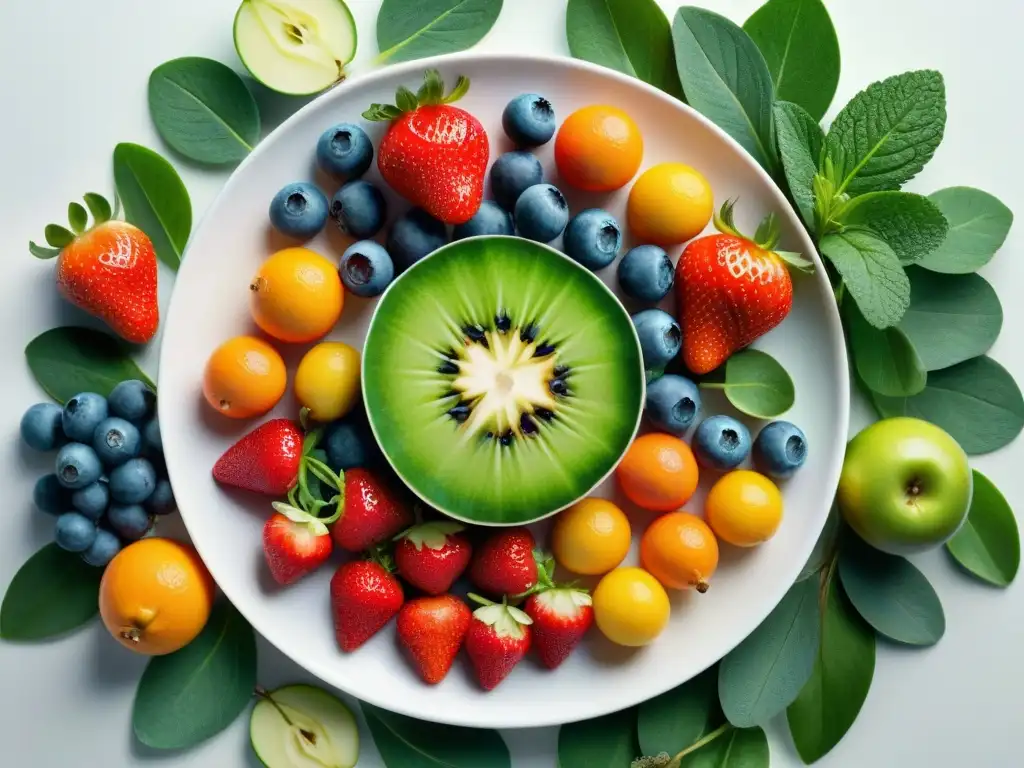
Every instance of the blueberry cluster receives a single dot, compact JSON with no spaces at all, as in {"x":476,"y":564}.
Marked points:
{"x":109,"y":479}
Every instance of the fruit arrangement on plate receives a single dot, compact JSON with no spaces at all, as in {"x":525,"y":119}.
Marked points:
{"x":500,"y":383}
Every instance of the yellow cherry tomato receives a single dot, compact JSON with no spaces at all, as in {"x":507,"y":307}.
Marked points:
{"x":744,"y":508}
{"x":327,"y":380}
{"x":591,"y":537}
{"x":630,"y":607}
{"x":669,"y":204}
{"x":296,"y":296}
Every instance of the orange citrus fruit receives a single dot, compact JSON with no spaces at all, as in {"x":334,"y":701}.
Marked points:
{"x":598,"y":148}
{"x":156,"y":596}
{"x":680,"y":551}
{"x":244,"y":377}
{"x":670,"y":203}
{"x":630,"y":607}
{"x":658,"y":472}
{"x":744,"y":508}
{"x":591,"y":537}
{"x":296,"y":295}
{"x":327,"y":380}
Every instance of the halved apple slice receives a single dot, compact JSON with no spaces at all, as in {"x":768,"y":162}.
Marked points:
{"x":299,"y":726}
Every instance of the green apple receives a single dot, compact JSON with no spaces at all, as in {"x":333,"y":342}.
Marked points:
{"x":297,"y":47}
{"x":302,"y":725}
{"x":906,"y":485}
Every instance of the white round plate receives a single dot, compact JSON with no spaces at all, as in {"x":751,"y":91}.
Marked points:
{"x":211,"y":304}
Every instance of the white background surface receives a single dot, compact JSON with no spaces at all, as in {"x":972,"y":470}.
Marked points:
{"x":75,"y":84}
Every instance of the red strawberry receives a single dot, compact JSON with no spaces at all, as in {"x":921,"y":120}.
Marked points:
{"x":561,"y":617}
{"x":505,"y":564}
{"x":109,"y":271}
{"x":432,"y":630}
{"x":372,"y":514}
{"x":265,"y":460}
{"x":294,"y":543}
{"x":433,"y":154}
{"x":730,"y":290}
{"x":498,"y":638}
{"x":432,"y":556}
{"x":364,"y":598}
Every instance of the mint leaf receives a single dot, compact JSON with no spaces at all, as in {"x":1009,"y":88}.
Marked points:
{"x":978,"y":226}
{"x":912,"y":225}
{"x":800,"y":140}
{"x":886,"y":134}
{"x":872,"y":274}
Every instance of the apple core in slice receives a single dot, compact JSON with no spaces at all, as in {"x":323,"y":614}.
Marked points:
{"x":297,"y":47}
{"x":503,"y":381}
{"x":300,"y":726}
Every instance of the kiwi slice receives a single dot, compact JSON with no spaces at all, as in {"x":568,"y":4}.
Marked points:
{"x":502,"y":380}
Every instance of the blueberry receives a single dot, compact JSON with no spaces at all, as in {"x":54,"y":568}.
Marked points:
{"x":780,"y":449}
{"x":721,"y":442}
{"x":42,"y":428}
{"x":512,"y":174}
{"x":349,"y":444}
{"x":151,"y":440}
{"x":344,"y":151}
{"x":660,"y":337}
{"x":74,"y":532}
{"x":673,"y":403}
{"x":78,"y":466}
{"x":541,"y":213}
{"x":490,"y":219}
{"x":359,"y":209}
{"x":132,"y":482}
{"x":129,"y":521}
{"x":161,"y":501}
{"x":92,"y":501}
{"x":82,"y":414}
{"x":593,"y":238}
{"x":104,"y":547}
{"x":366,"y":268}
{"x":299,"y":210}
{"x":133,"y":401}
{"x":414,"y":235}
{"x":116,"y":440}
{"x":529,"y":120}
{"x":646,"y":273}
{"x":50,"y":496}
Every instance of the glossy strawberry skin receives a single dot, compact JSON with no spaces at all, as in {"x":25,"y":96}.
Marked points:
{"x":505,"y":563}
{"x":558,"y":625}
{"x":364,"y":598}
{"x":111,"y":272}
{"x":372,"y":513}
{"x":435,"y":157}
{"x":433,"y":570}
{"x":729,"y":292}
{"x":492,"y":656}
{"x":432,"y":629}
{"x":265,"y":460}
{"x":292,"y":550}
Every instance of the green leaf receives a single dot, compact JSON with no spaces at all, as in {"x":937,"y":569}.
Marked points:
{"x":674,"y":720}
{"x":800,"y":45}
{"x":407,"y":743}
{"x":631,"y":36}
{"x":69,"y":360}
{"x":824,"y":547}
{"x":830,"y":702}
{"x":764,"y":673}
{"x":912,"y":225}
{"x":41,"y":252}
{"x":756,"y":384}
{"x":800,"y":140}
{"x":976,"y":401}
{"x":154,"y":198}
{"x":886,"y":360}
{"x":203,"y":110}
{"x":460,"y":89}
{"x":432,"y":90}
{"x":736,"y":748}
{"x":951,"y":318}
{"x":604,"y":742}
{"x":890,"y":594}
{"x":988,"y":544}
{"x":872,"y":274}
{"x":726,"y":78}
{"x":190,"y":695}
{"x":77,"y":217}
{"x":58,"y":236}
{"x":978,"y":226}
{"x":888,"y":132}
{"x":99,"y":207}
{"x":407,"y":31}
{"x":53,"y":593}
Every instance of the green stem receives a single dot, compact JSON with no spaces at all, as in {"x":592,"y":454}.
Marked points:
{"x":677,"y":760}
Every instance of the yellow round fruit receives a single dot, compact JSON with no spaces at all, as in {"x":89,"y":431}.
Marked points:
{"x":743,"y":508}
{"x":591,"y":537}
{"x":630,"y":607}
{"x":156,"y":596}
{"x":327,"y":380}
{"x":296,"y":296}
{"x":669,"y":204}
